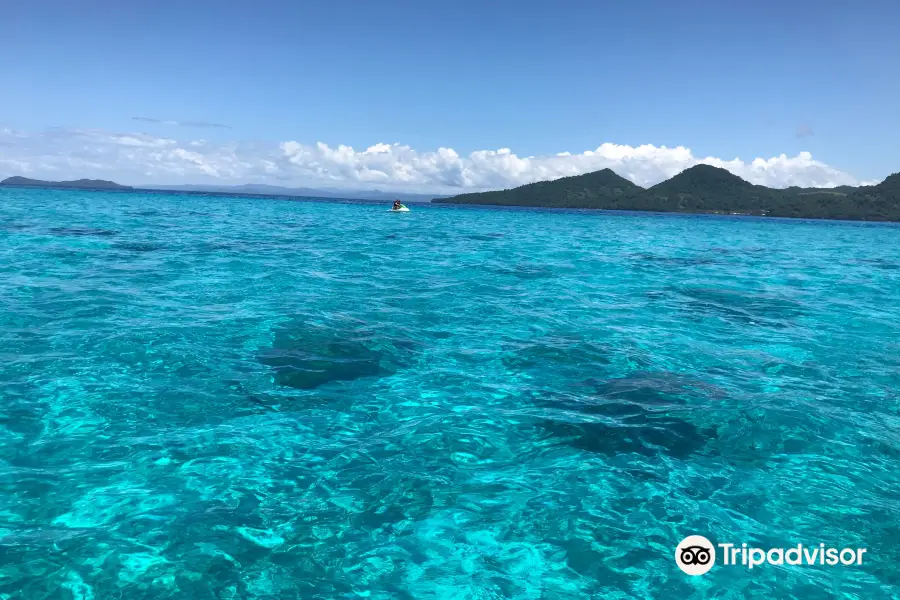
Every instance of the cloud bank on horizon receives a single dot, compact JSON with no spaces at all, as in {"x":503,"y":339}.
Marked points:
{"x":140,"y":158}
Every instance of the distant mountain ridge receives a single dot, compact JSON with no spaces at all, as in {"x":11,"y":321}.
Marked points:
{"x":245,"y":189}
{"x":88,"y":184}
{"x":275,"y":190}
{"x":700,"y":189}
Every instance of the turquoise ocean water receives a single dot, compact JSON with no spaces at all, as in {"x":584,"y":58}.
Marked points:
{"x":212,"y":397}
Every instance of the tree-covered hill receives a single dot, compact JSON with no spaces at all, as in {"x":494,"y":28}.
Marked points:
{"x":700,"y":189}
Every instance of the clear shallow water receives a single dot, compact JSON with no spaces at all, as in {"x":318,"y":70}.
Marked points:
{"x":243,"y":398}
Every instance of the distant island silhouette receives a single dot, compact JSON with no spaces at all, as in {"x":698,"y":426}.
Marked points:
{"x":82,"y":184}
{"x":699,"y":189}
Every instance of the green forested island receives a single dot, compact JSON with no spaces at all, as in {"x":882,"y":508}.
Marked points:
{"x":84,"y":184}
{"x":700,"y":189}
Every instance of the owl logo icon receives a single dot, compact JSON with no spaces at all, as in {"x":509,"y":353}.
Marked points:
{"x":695,"y":555}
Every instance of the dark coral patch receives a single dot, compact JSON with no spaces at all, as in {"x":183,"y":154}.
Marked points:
{"x":306,"y":358}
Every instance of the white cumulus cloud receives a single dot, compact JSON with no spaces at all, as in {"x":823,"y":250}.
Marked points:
{"x":489,"y":169}
{"x":140,"y":158}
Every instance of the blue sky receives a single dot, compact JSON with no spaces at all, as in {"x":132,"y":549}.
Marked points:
{"x":726,"y":80}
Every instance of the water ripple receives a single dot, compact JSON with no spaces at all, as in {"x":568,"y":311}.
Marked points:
{"x":240,"y":398}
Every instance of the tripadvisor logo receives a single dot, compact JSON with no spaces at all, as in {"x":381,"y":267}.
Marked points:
{"x":696,"y":555}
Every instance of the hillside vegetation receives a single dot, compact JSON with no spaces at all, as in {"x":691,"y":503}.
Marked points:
{"x":700,"y":189}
